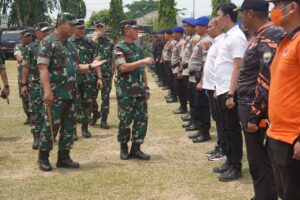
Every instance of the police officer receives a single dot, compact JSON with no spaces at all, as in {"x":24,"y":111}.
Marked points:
{"x":104,"y":48}
{"x":31,"y":84}
{"x":132,"y":92}
{"x":26,"y":38}
{"x":86,"y":81}
{"x":58,"y":64}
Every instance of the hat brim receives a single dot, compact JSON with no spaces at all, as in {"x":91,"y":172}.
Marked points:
{"x":80,"y":26}
{"x":72,"y":22}
{"x":45,"y":29}
{"x":99,"y":25}
{"x":27,"y":34}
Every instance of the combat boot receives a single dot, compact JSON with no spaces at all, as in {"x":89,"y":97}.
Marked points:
{"x":103,"y":123}
{"x":124,"y":151}
{"x":135,"y":152}
{"x":36,"y":142}
{"x":27,"y":121}
{"x":64,"y":160}
{"x":44,"y":161}
{"x":96,"y":116}
{"x":85,"y":131}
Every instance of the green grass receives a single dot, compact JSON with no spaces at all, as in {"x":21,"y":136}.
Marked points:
{"x":178,"y":169}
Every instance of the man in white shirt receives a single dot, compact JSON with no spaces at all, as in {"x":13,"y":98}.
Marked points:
{"x":227,"y":68}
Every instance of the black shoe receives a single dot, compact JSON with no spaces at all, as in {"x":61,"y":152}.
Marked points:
{"x":85,"y":133}
{"x":187,"y":124}
{"x":165,"y":88}
{"x":186,"y":118}
{"x":135,"y":152}
{"x":171,"y":100}
{"x":36,"y":142}
{"x":230,"y":175}
{"x":193,"y":127}
{"x":124,"y":155}
{"x":44,"y":161}
{"x":253,"y":198}
{"x":219,"y":155}
{"x":64,"y":160}
{"x":104,"y":125}
{"x":160,"y":84}
{"x":27,"y":121}
{"x":180,"y":110}
{"x":203,"y":137}
{"x":194,"y":135}
{"x":223,"y":168}
{"x":212,"y":152}
{"x":95,"y":118}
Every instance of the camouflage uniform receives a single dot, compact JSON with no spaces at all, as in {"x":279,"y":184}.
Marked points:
{"x":61,"y":58}
{"x":20,"y":50}
{"x":131,"y":94}
{"x":86,"y":82}
{"x":104,"y":48}
{"x":34,"y":87}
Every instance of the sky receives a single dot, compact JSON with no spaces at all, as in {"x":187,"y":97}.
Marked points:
{"x":202,"y":7}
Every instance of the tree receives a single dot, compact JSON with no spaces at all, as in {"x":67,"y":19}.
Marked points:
{"x":215,"y":4}
{"x":116,"y":15}
{"x":76,"y":7}
{"x":166,"y":14}
{"x":141,"y":8}
{"x":103,"y":15}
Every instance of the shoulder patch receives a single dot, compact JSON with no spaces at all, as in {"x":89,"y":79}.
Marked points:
{"x":267,"y":57}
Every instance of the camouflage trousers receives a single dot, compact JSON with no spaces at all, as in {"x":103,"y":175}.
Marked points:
{"x":63,"y":119}
{"x":85,"y":102}
{"x":132,"y":111}
{"x":25,"y":102}
{"x":37,"y":107}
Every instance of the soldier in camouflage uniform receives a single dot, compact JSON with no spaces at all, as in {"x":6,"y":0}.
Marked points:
{"x":104,"y":48}
{"x":26,"y":38}
{"x":87,"y":81}
{"x":31,"y":84}
{"x":132,"y":92}
{"x":58,"y":64}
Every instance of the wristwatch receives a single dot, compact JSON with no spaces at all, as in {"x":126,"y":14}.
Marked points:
{"x":6,"y":86}
{"x":229,"y":96}
{"x":24,"y":84}
{"x":90,"y":67}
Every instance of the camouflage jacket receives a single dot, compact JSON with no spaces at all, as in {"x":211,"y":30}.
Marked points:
{"x":86,"y":51}
{"x":30,"y":59}
{"x":129,"y":84}
{"x":104,"y":50}
{"x":19,"y":49}
{"x":62,"y":60}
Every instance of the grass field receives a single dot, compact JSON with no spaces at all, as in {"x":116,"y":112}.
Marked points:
{"x":178,"y":169}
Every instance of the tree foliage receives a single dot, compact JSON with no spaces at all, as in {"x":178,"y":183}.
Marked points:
{"x":76,"y":7}
{"x":215,"y":4}
{"x":166,"y":14}
{"x":141,"y":8}
{"x":116,"y":15}
{"x":103,"y":15}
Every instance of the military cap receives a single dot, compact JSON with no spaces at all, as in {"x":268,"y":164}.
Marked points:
{"x":43,"y":27}
{"x":130,"y":23}
{"x":169,"y":32}
{"x":190,"y":21}
{"x":66,"y":17}
{"x":99,"y":23}
{"x":256,"y":5}
{"x":202,"y":21}
{"x":26,"y":32}
{"x":178,"y":29}
{"x":79,"y":23}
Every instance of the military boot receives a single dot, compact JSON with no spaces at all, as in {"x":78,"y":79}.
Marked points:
{"x":85,"y":131}
{"x":36,"y":142}
{"x":96,"y":116}
{"x":64,"y":160}
{"x":124,"y":151}
{"x":27,"y":121}
{"x":44,"y":161}
{"x":103,"y":123}
{"x":135,"y":152}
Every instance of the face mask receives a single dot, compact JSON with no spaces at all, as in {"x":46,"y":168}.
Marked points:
{"x":276,"y":16}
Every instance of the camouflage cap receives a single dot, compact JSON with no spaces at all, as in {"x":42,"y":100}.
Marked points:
{"x":99,"y":23}
{"x":66,"y":17}
{"x":130,"y":23}
{"x":26,"y":32}
{"x":79,"y":23}
{"x":43,"y":27}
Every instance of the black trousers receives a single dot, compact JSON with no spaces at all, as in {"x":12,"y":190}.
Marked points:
{"x":216,"y":115}
{"x":233,"y":133}
{"x":259,"y":162}
{"x":201,"y":112}
{"x":169,"y":78}
{"x":182,"y":89}
{"x":160,"y":72}
{"x":286,"y":170}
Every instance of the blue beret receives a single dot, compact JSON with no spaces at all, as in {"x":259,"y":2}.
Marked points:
{"x":162,"y":32}
{"x":190,"y":21}
{"x":202,"y":21}
{"x":178,"y":29}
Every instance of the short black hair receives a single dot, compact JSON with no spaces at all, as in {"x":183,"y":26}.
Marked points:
{"x":229,"y":9}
